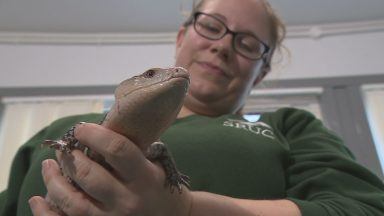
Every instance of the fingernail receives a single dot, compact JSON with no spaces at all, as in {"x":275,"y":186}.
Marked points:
{"x":46,"y":165}
{"x":80,"y":123}
{"x":75,"y":127}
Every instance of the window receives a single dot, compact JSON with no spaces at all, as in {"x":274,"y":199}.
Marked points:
{"x":23,"y":117}
{"x":374,"y":106}
{"x":266,"y":100}
{"x":339,"y":101}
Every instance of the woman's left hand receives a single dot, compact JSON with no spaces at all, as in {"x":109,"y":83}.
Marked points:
{"x":134,"y":186}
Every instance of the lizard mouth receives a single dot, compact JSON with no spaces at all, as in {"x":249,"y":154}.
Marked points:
{"x":178,"y":77}
{"x":175,"y":79}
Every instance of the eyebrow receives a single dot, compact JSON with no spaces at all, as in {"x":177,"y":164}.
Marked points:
{"x":224,"y":19}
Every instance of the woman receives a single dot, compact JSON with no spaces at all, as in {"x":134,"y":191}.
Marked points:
{"x":287,"y":163}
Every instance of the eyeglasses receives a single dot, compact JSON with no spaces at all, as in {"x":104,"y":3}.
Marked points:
{"x":212,"y":28}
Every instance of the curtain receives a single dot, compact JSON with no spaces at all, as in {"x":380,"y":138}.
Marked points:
{"x":21,"y":119}
{"x":374,"y":104}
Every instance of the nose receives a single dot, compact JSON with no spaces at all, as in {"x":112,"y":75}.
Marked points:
{"x":223,"y":47}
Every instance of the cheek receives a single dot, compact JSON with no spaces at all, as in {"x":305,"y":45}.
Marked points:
{"x":248,"y":73}
{"x":248,"y":69}
{"x":192,"y":46}
{"x":194,"y":43}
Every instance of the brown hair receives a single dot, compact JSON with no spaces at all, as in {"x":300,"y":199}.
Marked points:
{"x":277,"y":28}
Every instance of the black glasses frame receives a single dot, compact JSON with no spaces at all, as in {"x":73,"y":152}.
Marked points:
{"x":229,"y":31}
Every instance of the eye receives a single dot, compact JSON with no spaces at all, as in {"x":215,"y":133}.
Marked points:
{"x":247,"y":44}
{"x":209,"y":27}
{"x":247,"y":47}
{"x":149,"y":73}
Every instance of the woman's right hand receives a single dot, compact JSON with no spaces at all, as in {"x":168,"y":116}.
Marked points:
{"x":135,"y":186}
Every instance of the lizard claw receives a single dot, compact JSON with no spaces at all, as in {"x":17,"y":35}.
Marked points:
{"x":174,"y":179}
{"x":67,"y":143}
{"x":60,"y":145}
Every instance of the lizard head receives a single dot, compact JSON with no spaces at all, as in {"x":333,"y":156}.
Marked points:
{"x":155,"y":79}
{"x":146,"y":105}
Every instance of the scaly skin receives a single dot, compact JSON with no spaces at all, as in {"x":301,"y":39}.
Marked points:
{"x":144,"y":107}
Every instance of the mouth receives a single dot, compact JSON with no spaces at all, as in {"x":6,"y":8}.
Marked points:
{"x":214,"y":69}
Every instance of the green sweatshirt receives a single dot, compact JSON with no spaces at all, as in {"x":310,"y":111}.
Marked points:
{"x":286,"y":154}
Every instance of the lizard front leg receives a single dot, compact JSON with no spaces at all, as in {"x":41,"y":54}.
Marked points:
{"x":67,"y":143}
{"x":158,"y":152}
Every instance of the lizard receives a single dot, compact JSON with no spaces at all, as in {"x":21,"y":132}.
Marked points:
{"x":144,"y":107}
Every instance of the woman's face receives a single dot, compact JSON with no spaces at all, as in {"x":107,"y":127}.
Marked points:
{"x":220,"y":77}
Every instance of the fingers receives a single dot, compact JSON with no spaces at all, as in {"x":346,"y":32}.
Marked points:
{"x":91,"y":177}
{"x":66,"y":197}
{"x":122,"y":154}
{"x":40,"y":207}
{"x":134,"y":186}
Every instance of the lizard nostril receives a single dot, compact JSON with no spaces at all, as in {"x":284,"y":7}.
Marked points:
{"x":179,"y":70}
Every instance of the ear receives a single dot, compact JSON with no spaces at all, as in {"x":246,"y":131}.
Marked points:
{"x":180,"y":36}
{"x":179,"y":39}
{"x":264,"y":71}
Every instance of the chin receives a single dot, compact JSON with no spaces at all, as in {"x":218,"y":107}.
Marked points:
{"x":205,"y":95}
{"x":207,"y":88}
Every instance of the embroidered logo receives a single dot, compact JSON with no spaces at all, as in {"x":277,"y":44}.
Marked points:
{"x":259,"y":128}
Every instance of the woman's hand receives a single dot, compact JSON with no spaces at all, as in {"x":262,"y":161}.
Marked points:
{"x":134,"y":186}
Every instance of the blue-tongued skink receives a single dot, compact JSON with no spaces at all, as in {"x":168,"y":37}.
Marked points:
{"x":145,"y":106}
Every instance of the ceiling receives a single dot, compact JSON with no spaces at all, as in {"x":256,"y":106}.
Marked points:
{"x":154,"y":16}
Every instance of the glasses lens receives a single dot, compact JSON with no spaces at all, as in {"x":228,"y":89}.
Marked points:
{"x":245,"y":44}
{"x":209,"y":27}
{"x":249,"y":46}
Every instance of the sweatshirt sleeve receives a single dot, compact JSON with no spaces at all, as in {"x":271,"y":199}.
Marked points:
{"x":323,"y":177}
{"x":20,"y":165}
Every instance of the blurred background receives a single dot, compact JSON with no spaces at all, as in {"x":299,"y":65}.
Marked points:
{"x":64,"y":57}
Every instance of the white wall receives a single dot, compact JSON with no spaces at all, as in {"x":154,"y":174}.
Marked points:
{"x":50,"y":65}
{"x":340,"y":55}
{"x":79,"y":65}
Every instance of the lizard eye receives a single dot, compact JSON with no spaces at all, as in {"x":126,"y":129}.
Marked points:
{"x":149,"y":73}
